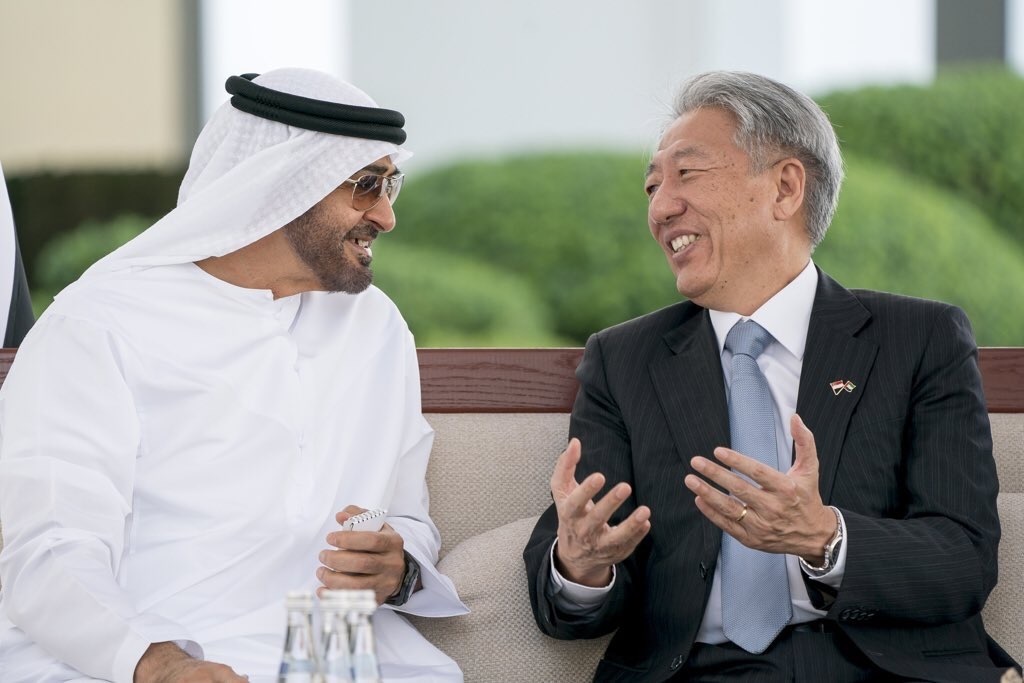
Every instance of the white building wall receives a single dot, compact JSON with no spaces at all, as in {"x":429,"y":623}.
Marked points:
{"x":253,"y":36}
{"x":1015,"y":34}
{"x":481,"y":78}
{"x":477,"y":78}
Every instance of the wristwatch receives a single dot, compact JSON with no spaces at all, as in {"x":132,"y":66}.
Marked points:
{"x":410,"y":578}
{"x":831,"y":550}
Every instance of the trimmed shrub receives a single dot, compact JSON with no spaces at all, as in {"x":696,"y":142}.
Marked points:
{"x":454,"y":300}
{"x":46,"y":205}
{"x":68,"y":255}
{"x":897,"y":233}
{"x":573,"y":225}
{"x":446,"y":299}
{"x":965,"y":132}
{"x":526,"y":253}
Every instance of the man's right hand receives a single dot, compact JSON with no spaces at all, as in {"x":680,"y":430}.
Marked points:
{"x":168,"y":663}
{"x":587,"y":545}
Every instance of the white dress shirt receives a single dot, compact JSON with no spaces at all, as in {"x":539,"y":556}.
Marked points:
{"x":786,"y":317}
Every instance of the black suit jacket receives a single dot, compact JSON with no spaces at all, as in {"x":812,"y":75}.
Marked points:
{"x":906,"y":456}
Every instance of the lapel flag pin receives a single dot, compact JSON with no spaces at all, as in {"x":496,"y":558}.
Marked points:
{"x":842,"y":385}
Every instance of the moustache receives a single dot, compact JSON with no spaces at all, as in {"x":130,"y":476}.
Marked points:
{"x":362,"y":231}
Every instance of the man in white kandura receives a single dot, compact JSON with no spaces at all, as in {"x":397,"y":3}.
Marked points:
{"x":183,"y":425}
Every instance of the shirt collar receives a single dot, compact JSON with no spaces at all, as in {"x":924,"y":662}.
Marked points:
{"x":786,"y":315}
{"x":284,"y":309}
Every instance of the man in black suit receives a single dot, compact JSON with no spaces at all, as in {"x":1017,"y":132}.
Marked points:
{"x":879,"y":513}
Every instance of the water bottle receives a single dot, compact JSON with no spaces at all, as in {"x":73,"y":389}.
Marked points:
{"x":299,"y":661}
{"x":365,"y":668}
{"x":335,"y":647}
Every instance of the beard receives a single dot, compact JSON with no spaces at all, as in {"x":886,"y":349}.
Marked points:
{"x":319,"y":244}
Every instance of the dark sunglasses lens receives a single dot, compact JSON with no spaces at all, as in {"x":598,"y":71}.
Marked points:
{"x":367,"y":191}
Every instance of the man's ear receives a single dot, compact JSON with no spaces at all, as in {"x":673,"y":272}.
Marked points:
{"x":790,"y":179}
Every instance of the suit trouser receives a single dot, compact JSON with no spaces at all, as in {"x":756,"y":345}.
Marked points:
{"x":807,"y":653}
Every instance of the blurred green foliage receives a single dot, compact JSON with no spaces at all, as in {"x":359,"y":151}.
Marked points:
{"x":573,"y":225}
{"x":545,"y":249}
{"x":542,"y":266}
{"x":595,"y":264}
{"x":897,"y":233}
{"x":965,"y":132}
{"x":66,"y":256}
{"x":453,"y":300}
{"x":46,"y":205}
{"x":447,"y":300}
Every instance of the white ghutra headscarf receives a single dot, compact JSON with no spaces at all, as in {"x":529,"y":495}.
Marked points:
{"x":250,"y":176}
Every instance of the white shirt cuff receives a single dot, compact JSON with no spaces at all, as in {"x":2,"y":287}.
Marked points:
{"x":575,"y":598}
{"x":834,"y":576}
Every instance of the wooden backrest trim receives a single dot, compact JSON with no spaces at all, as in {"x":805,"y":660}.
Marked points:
{"x":543,"y":380}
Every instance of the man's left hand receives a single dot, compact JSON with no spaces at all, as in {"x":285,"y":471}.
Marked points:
{"x":778,"y":513}
{"x":363,"y":560}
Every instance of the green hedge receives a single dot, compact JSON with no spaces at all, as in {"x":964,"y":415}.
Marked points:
{"x":897,"y":233}
{"x":548,"y":249}
{"x":573,"y":225}
{"x":447,"y":300}
{"x":65,"y":257}
{"x":452,"y":300}
{"x":965,"y":132}
{"x":46,"y":205}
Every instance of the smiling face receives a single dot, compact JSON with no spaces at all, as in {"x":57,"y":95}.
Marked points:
{"x":731,"y":237}
{"x":333,"y":240}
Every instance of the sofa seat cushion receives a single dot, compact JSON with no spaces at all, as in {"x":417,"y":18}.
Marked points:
{"x":499,"y":640}
{"x":1004,"y":611}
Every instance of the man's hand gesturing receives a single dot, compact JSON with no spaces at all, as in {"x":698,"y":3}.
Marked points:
{"x":587,"y":545}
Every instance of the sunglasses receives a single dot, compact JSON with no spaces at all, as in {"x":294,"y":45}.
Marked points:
{"x":369,"y":188}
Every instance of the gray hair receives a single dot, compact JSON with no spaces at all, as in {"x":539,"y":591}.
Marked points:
{"x":773,"y":118}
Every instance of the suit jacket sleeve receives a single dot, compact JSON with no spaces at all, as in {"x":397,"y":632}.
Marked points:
{"x":934,"y":561}
{"x":597,"y":422}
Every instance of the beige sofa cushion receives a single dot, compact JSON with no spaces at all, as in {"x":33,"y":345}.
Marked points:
{"x":1004,"y":611}
{"x":1008,"y":449}
{"x":488,"y":469}
{"x":499,"y":642}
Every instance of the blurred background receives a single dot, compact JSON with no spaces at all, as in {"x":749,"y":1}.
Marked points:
{"x":523,"y":221}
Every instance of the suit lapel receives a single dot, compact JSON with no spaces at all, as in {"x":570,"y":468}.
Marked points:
{"x":691,"y":391}
{"x":690,"y":388}
{"x":833,"y":354}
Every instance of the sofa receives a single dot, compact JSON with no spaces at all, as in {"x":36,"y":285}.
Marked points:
{"x":501,"y":419}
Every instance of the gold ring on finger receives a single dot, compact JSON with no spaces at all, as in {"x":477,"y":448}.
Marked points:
{"x":743,"y":514}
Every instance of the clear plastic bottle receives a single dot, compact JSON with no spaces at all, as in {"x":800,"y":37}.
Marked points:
{"x":299,"y":661}
{"x":335,"y":644}
{"x":365,"y":667}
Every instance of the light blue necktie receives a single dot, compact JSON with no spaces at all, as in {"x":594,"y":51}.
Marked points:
{"x":755,"y":589}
